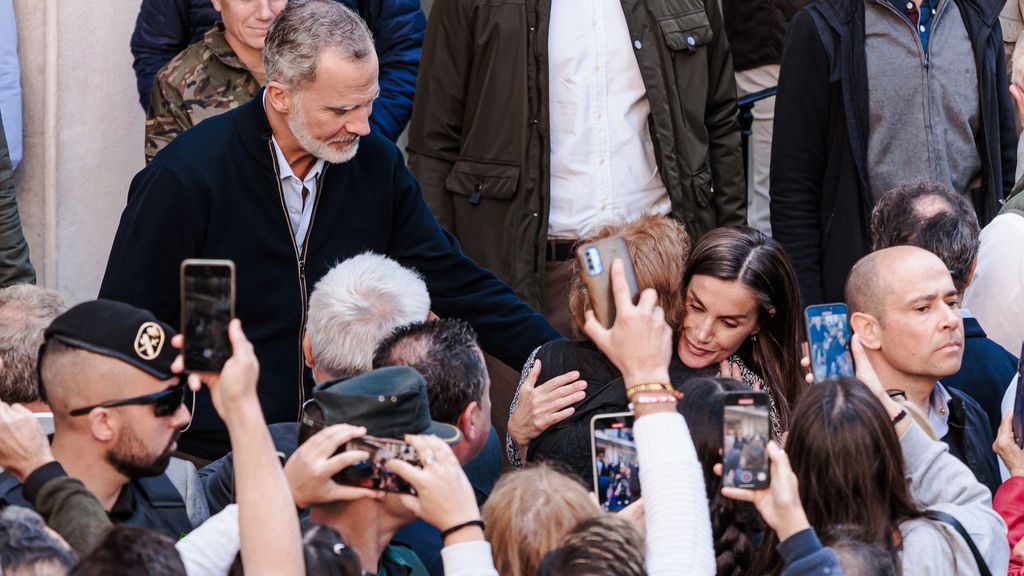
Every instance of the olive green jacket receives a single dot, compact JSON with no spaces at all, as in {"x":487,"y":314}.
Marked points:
{"x":15,"y":267}
{"x":478,"y":140}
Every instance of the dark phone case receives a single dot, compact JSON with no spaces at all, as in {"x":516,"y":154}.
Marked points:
{"x":363,"y":474}
{"x":599,"y":286}
{"x":192,"y":364}
{"x":1018,"y":404}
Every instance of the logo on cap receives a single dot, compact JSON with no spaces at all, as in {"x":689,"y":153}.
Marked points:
{"x":149,"y":341}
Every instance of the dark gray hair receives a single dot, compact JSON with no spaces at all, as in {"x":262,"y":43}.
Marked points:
{"x":26,"y":545}
{"x":25,"y":312}
{"x":947,"y":226}
{"x":446,"y":353}
{"x":302,"y":31}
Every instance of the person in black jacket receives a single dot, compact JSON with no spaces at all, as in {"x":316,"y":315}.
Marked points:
{"x":166,"y":27}
{"x":285,"y":186}
{"x":835,"y":150}
{"x":905,"y":311}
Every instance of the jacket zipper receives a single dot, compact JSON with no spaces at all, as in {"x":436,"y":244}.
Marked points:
{"x":300,"y":258}
{"x":926,"y":64}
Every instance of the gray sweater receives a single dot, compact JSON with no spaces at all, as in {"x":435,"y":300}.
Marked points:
{"x":939,"y":481}
{"x":924,"y":114}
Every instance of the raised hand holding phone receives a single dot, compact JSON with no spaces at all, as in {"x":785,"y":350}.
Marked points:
{"x":444,"y":497}
{"x":639,"y":343}
{"x":779,"y":504}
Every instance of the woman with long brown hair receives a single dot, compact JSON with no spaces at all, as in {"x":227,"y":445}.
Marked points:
{"x":739,"y":316}
{"x":861,"y":462}
{"x":742,"y":312}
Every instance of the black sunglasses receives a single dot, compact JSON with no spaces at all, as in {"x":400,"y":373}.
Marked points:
{"x":165,"y":402}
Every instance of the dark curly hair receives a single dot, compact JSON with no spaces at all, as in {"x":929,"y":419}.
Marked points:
{"x":446,"y":353}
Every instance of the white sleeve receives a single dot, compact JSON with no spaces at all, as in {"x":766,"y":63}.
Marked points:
{"x":676,"y":512}
{"x":467,"y":559}
{"x":996,"y":295}
{"x":1009,"y":398}
{"x":210,"y":549}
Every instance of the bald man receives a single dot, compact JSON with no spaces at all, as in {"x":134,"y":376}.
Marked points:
{"x":106,"y":374}
{"x":905,"y":310}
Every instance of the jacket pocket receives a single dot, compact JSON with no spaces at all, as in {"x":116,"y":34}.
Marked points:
{"x":478,"y":180}
{"x":688,"y":31}
{"x":701,"y":184}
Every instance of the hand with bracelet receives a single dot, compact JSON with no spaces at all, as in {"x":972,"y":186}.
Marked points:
{"x":444,"y":497}
{"x":639,"y":344}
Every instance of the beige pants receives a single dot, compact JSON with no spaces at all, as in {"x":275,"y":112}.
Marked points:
{"x":748,"y":82}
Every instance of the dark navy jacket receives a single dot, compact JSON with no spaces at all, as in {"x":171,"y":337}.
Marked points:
{"x":166,"y":27}
{"x":985,"y":373}
{"x":970,"y":440}
{"x":214,"y":192}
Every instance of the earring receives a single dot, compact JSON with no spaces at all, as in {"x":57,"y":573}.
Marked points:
{"x":753,"y":338}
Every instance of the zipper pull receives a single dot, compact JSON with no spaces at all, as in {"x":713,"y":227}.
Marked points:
{"x":302,"y":269}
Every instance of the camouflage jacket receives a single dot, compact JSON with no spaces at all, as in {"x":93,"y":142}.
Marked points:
{"x":204,"y":80}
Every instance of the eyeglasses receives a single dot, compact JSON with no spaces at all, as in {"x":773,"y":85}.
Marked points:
{"x":165,"y":402}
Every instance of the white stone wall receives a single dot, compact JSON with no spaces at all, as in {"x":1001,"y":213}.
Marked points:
{"x":83,"y":135}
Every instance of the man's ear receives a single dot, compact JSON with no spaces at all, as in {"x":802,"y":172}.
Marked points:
{"x":970,"y":275}
{"x":101,"y":425}
{"x":307,"y":350}
{"x":868,"y":329}
{"x":470,"y":421}
{"x":279,"y":97}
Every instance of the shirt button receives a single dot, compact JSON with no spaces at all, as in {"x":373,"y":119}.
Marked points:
{"x":637,"y":44}
{"x":922,"y":28}
{"x":910,"y":5}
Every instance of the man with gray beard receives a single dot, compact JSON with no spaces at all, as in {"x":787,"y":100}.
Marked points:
{"x":25,"y":312}
{"x":285,"y":186}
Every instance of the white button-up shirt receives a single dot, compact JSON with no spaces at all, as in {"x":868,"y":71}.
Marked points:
{"x":299,"y":212}
{"x":603,"y":166}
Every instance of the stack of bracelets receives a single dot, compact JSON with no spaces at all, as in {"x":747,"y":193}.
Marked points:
{"x":652,"y":393}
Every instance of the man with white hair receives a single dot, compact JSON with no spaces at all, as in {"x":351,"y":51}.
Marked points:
{"x":355,"y":306}
{"x":284,"y":186}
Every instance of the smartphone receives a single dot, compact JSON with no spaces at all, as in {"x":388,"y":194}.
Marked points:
{"x":207,"y":306}
{"x":1018,"y":404}
{"x":745,"y":440}
{"x":372,"y":473}
{"x":828,"y":336}
{"x":615,"y":464}
{"x":595,"y":261}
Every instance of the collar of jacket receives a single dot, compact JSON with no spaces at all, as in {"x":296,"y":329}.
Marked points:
{"x":254,"y":128}
{"x":217,"y":43}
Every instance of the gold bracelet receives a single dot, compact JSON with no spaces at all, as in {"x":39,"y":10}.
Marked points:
{"x":648,"y":387}
{"x":671,"y":392}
